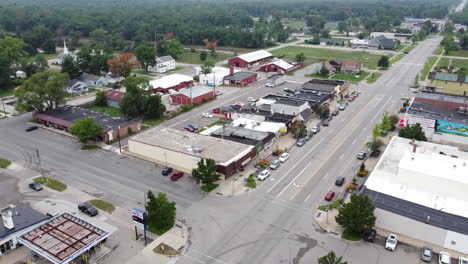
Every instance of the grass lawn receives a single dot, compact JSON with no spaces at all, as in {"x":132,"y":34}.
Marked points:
{"x":223,"y":48}
{"x":349,"y":77}
{"x":351,"y":236}
{"x":459,"y":53}
{"x":458,"y":63}
{"x":4,"y":163}
{"x":297,"y":24}
{"x":103,"y":205}
{"x":439,"y":50}
{"x":113,"y":111}
{"x":443,"y":62}
{"x":164,"y":249}
{"x":156,"y":230}
{"x":7,"y":92}
{"x":331,"y":26}
{"x":194,"y":57}
{"x":51,"y":183}
{"x":209,"y":187}
{"x":50,"y":56}
{"x":89,"y":147}
{"x":400,"y":47}
{"x":316,"y":55}
{"x":409,"y":48}
{"x":140,"y":71}
{"x":373,"y":78}
{"x":397,"y":58}
{"x":427,"y":67}
{"x":152,"y":121}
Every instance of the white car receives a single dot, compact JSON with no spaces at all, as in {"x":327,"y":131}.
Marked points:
{"x":463,"y":260}
{"x":207,"y":115}
{"x":284,"y":157}
{"x":342,"y":107}
{"x":263,"y":175}
{"x":251,"y":99}
{"x":391,"y":242}
{"x":444,"y":258}
{"x":269,"y":85}
{"x":315,"y":129}
{"x":218,"y":92}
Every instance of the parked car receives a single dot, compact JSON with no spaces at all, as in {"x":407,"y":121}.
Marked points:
{"x":426,"y":254}
{"x":236,"y":107}
{"x":284,"y":157}
{"x":263,"y":175}
{"x":361,"y":155}
{"x":329,"y":117}
{"x":207,"y":115}
{"x":315,"y":129}
{"x":444,"y":258}
{"x":309,"y":135}
{"x":406,"y":52}
{"x":339,"y":181}
{"x":88,"y":209}
{"x":194,"y":127}
{"x":342,"y":107}
{"x":275,"y":164}
{"x":335,"y":113}
{"x":326,"y":122}
{"x":189,"y":129}
{"x":300,"y":142}
{"x":166,"y":171}
{"x":463,"y":260}
{"x":251,"y":99}
{"x":391,"y":242}
{"x":329,"y":196}
{"x":370,"y":235}
{"x":287,"y":90}
{"x":240,"y":104}
{"x":269,"y":85}
{"x":31,"y":128}
{"x":351,"y":98}
{"x":218,"y":92}
{"x":35,"y":186}
{"x":177,"y":175}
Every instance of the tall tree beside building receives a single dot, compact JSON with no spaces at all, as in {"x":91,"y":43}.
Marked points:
{"x":413,"y":131}
{"x":133,"y":102}
{"x":207,"y":67}
{"x":86,"y":130}
{"x":383,"y":62}
{"x":100,"y":99}
{"x":93,"y":59}
{"x":169,"y":46}
{"x":42,"y":91}
{"x":146,"y":56}
{"x":71,"y":67}
{"x":154,"y":108}
{"x":206,"y":172}
{"x":123,"y":64}
{"x":211,"y":46}
{"x":300,"y":57}
{"x":161,"y":212}
{"x":13,"y":49}
{"x":357,"y":216}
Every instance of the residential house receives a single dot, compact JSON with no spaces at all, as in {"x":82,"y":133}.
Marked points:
{"x":331,"y":42}
{"x":359,"y":43}
{"x":378,"y":42}
{"x":77,"y":87}
{"x":163,"y":64}
{"x":345,"y":66}
{"x":386,"y":43}
{"x":113,"y":97}
{"x":93,"y":80}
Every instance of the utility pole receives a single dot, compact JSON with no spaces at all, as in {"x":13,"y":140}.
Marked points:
{"x":39,"y":163}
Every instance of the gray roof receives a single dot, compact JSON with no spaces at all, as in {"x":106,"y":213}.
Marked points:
{"x":418,"y":212}
{"x":275,"y":76}
{"x":243,"y":135}
{"x":386,"y":43}
{"x":196,"y":91}
{"x":239,"y":76}
{"x":290,"y":102}
{"x":92,"y":77}
{"x":164,"y":59}
{"x":23,"y":216}
{"x":436,"y":113}
{"x":307,"y":113}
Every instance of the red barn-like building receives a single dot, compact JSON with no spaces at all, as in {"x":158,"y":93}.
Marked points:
{"x":194,"y":94}
{"x":250,"y":59}
{"x":241,"y":78}
{"x":173,"y":81}
{"x":280,"y":66}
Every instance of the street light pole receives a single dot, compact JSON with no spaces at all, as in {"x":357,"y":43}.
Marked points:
{"x":39,"y":163}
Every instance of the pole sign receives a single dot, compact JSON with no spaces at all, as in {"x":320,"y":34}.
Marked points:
{"x":139,"y":217}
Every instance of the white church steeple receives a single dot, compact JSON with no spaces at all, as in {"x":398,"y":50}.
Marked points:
{"x":65,"y":49}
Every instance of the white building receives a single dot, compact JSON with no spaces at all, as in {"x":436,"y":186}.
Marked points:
{"x":264,"y":126}
{"x":163,"y":64}
{"x":359,"y":43}
{"x":215,"y":77}
{"x":21,"y":74}
{"x":419,"y":191}
{"x":93,"y":80}
{"x":289,"y":107}
{"x":65,"y":53}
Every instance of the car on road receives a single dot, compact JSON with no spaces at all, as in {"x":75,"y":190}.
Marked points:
{"x":35,"y":186}
{"x":361,"y":155}
{"x":251,"y":99}
{"x":463,"y":260}
{"x":406,"y":52}
{"x":335,"y":113}
{"x":275,"y":164}
{"x":194,"y":127}
{"x":309,"y":135}
{"x":263,"y":175}
{"x":236,"y":107}
{"x":166,"y":171}
{"x":240,"y":104}
{"x":269,"y":85}
{"x":284,"y":157}
{"x":326,"y":122}
{"x":218,"y":92}
{"x":351,"y":98}
{"x":370,"y":235}
{"x":88,"y":209}
{"x":177,"y":175}
{"x":444,"y":258}
{"x":339,"y":181}
{"x":426,"y":254}
{"x":315,"y":129}
{"x":287,"y":90}
{"x":31,"y":128}
{"x":329,"y":196}
{"x":391,"y":242}
{"x":189,"y":129}
{"x":300,"y":142}
{"x":329,"y":118}
{"x":342,"y":107}
{"x":207,"y":115}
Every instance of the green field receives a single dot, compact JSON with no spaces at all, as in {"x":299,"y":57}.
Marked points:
{"x":194,"y":57}
{"x":103,"y":205}
{"x":107,"y":110}
{"x":459,"y":63}
{"x":4,"y":163}
{"x":459,"y":53}
{"x":373,"y":78}
{"x":349,"y":77}
{"x":317,"y":55}
{"x":331,"y":26}
{"x":51,"y":183}
{"x":396,"y":58}
{"x":443,"y":62}
{"x":427,"y":67}
{"x":295,"y":24}
{"x":439,"y":50}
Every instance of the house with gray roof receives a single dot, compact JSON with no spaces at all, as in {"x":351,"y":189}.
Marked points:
{"x":163,"y":64}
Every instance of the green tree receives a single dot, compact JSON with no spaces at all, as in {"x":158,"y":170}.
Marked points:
{"x":356,"y":216}
{"x":40,"y":37}
{"x":203,"y":55}
{"x":394,"y":120}
{"x":99,"y":34}
{"x":146,"y":56}
{"x":300,"y":57}
{"x":13,"y":49}
{"x":325,"y":33}
{"x":133,"y":103}
{"x":93,"y":59}
{"x":71,"y":67}
{"x":383,"y":62}
{"x":170,"y":47}
{"x":86,"y":130}
{"x":154,"y":108}
{"x":5,"y":72}
{"x":386,"y":123}
{"x":374,"y":145}
{"x":449,"y":27}
{"x":413,"y":131}
{"x":100,"y":99}
{"x":42,"y":91}
{"x":316,"y":23}
{"x":324,"y":71}
{"x":315,"y":40}
{"x":161,"y":213}
{"x":331,"y":258}
{"x":206,"y":172}
{"x":207,"y":66}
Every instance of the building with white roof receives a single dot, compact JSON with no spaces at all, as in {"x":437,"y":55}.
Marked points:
{"x":173,"y":81}
{"x":274,"y":127}
{"x":250,"y":59}
{"x":419,"y":190}
{"x":216,"y":76}
{"x":280,"y":66}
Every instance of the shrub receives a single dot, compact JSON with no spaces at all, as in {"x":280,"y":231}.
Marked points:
{"x":129,"y":130}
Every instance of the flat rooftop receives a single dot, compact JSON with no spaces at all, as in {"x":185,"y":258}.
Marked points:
{"x":63,"y":238}
{"x":185,"y":142}
{"x":23,"y":216}
{"x":440,"y":108}
{"x":242,"y":133}
{"x":239,"y":76}
{"x":434,"y":176}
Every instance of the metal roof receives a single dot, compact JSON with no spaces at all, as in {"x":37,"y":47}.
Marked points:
{"x":23,"y":216}
{"x":164,"y":59}
{"x":446,"y":77}
{"x":169,"y":81}
{"x":195,"y":91}
{"x":239,"y":76}
{"x":255,"y":56}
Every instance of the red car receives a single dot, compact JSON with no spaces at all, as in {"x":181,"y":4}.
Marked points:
{"x":189,"y":129}
{"x":177,"y":175}
{"x":329,"y":196}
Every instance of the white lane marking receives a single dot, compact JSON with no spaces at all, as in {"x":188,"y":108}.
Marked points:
{"x":345,"y":167}
{"x":295,"y":185}
{"x":269,"y":190}
{"x":341,"y":157}
{"x":178,"y":123}
{"x":324,"y":177}
{"x":378,"y":112}
{"x":354,"y":141}
{"x":293,"y":181}
{"x":215,"y":259}
{"x":199,"y":261}
{"x":307,"y":198}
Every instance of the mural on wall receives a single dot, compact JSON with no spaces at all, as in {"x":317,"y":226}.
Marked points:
{"x":452,"y":128}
